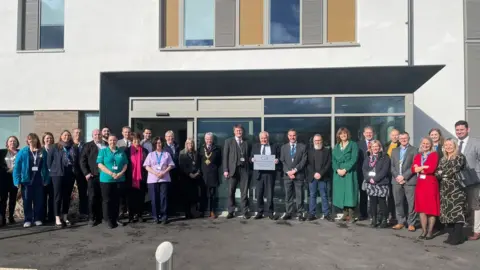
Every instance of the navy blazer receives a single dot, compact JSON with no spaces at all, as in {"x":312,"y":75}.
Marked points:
{"x":175,"y":156}
{"x":55,"y":161}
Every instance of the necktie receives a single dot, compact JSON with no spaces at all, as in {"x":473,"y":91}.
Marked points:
{"x":292,"y":151}
{"x":460,"y":147}
{"x":263,"y":149}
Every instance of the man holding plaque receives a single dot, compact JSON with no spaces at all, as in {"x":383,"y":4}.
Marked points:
{"x":293,"y":156}
{"x":265,"y":158}
{"x":235,"y":169}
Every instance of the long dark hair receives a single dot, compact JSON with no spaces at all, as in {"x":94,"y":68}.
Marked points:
{"x":35,"y":140}
{"x":154,"y":143}
{"x":61,"y":144}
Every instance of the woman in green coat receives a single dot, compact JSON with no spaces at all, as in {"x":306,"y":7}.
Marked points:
{"x":345,"y":183}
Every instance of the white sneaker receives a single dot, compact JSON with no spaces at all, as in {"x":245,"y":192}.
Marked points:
{"x":339,"y":216}
{"x":27,"y":224}
{"x":38,"y":223}
{"x":322,"y":217}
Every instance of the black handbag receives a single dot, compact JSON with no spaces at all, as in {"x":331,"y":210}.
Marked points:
{"x":467,"y":177}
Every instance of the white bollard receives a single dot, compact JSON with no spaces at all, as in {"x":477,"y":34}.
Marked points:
{"x":164,"y":256}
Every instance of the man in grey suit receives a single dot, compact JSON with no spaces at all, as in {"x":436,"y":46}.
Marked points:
{"x":125,"y":142}
{"x":470,"y":148}
{"x":404,"y":182}
{"x":235,"y":169}
{"x":293,"y":156}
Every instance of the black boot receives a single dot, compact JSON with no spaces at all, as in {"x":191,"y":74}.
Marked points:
{"x":449,"y":229}
{"x":374,"y":222}
{"x":383,"y":223}
{"x":457,"y":237}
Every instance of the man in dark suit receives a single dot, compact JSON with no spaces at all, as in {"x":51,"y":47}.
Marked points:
{"x":89,"y":167}
{"x":235,"y":169}
{"x":175,"y":200}
{"x":404,"y":182}
{"x":265,"y":180}
{"x":293,"y":156}
{"x":363,"y":146}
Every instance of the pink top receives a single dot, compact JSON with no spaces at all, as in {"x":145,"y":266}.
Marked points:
{"x":158,"y":162}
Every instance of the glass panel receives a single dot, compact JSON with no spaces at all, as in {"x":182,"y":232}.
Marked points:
{"x":199,"y":22}
{"x":306,"y":128}
{"x":52,"y":23}
{"x":9,"y":126}
{"x":222,"y":128}
{"x":370,"y":105}
{"x":284,"y":21}
{"x":92,"y":121}
{"x":382,"y":125}
{"x":298,"y":105}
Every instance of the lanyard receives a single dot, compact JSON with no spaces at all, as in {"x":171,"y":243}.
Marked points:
{"x":34,"y":157}
{"x":424,"y":158}
{"x":159,"y":158}
{"x":114,"y":153}
{"x":66,"y":152}
{"x":402,"y":154}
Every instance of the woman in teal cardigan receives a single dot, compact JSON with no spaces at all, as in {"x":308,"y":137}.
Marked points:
{"x":30,"y":173}
{"x":345,"y":183}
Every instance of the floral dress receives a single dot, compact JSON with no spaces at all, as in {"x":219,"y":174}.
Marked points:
{"x":452,"y":195}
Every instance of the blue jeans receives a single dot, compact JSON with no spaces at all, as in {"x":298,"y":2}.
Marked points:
{"x":32,"y":193}
{"x":323,"y":187}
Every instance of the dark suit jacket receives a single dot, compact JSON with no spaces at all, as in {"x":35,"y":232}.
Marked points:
{"x":128,"y":172}
{"x":381,"y":168}
{"x":324,"y":163}
{"x":210,"y":171}
{"x":55,"y":160}
{"x":257,"y":150}
{"x":174,"y":156}
{"x":6,"y":179}
{"x":187,"y":165}
{"x":88,"y":159}
{"x":362,"y":154}
{"x":232,"y":154}
{"x":299,"y":161}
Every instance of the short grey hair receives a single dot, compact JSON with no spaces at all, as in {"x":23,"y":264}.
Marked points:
{"x":209,"y":134}
{"x":169,"y":132}
{"x":318,"y":135}
{"x":264,"y":132}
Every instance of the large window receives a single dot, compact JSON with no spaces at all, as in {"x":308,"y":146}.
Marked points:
{"x":52,"y":24}
{"x":199,"y":22}
{"x":91,"y":122}
{"x":9,"y":126}
{"x":253,"y":23}
{"x":306,"y":128}
{"x":285,"y":21}
{"x":41,"y":24}
{"x":370,"y":104}
{"x":317,"y":105}
{"x":382,"y":125}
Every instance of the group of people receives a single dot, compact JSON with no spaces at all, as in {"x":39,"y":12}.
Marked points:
{"x":114,"y":175}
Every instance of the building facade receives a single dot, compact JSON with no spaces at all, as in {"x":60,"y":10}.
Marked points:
{"x":197,"y":66}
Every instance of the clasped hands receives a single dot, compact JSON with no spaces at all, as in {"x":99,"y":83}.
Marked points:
{"x":291,"y":174}
{"x":400,"y":180}
{"x":341,"y":172}
{"x":160,"y":174}
{"x":194,"y":175}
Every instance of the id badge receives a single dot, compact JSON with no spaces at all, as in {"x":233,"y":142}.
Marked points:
{"x":158,"y":168}
{"x":423,"y":176}
{"x":34,"y":168}
{"x":372,"y":174}
{"x":242,"y":159}
{"x":115,"y":168}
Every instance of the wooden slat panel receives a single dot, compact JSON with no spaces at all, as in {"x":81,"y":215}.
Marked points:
{"x":171,"y":23}
{"x":251,"y":22}
{"x":472,"y":25}
{"x":225,"y":17}
{"x":312,"y":22}
{"x":32,"y":19}
{"x":341,"y":17}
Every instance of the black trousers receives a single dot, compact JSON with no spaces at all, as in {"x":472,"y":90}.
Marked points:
{"x":82,"y":185}
{"x":8,"y":193}
{"x":382,"y":203}
{"x":62,"y":192}
{"x":391,"y":206}
{"x":94,"y":199}
{"x":212,"y":199}
{"x":240,"y":177}
{"x":48,"y":202}
{"x":110,"y":201}
{"x":294,"y":196}
{"x":265,"y":186}
{"x":123,"y":200}
{"x":363,"y":203}
{"x":136,"y":200}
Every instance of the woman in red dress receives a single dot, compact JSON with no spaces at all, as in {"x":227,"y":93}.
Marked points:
{"x":427,"y":192}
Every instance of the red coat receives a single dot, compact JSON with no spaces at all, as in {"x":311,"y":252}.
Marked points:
{"x":427,"y":191}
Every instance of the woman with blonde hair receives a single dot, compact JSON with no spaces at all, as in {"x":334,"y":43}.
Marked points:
{"x":190,"y":174}
{"x":376,"y":168}
{"x":452,"y":195}
{"x":345,"y":178}
{"x":427,"y":194}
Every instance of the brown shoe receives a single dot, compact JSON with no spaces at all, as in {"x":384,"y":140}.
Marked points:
{"x":398,"y":227}
{"x":474,"y":237}
{"x":411,"y":228}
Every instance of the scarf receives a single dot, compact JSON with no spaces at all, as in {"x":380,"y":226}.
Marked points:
{"x":372,"y":161}
{"x":136,"y":155}
{"x":68,"y":153}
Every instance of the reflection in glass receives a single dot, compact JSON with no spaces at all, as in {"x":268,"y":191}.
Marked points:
{"x":298,"y":105}
{"x":9,"y":126}
{"x":222,"y":128}
{"x":381,"y":125}
{"x":52,"y":23}
{"x":284,"y":21}
{"x":199,"y":22}
{"x":370,"y":105}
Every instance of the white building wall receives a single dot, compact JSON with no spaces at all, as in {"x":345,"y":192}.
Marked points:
{"x":123,"y":35}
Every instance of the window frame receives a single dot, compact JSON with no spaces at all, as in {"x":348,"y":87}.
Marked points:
{"x":266,"y":30}
{"x":21,"y":30}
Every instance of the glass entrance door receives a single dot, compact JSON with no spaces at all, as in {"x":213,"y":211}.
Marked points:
{"x":222,"y":128}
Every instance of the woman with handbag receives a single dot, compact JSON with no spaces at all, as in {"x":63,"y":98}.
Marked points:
{"x":452,"y":195}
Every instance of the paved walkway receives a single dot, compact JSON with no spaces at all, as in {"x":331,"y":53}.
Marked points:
{"x":232,"y":244}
